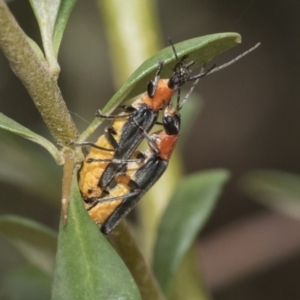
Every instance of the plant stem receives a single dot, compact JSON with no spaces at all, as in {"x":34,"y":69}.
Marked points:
{"x":125,"y":245}
{"x":67,"y":181}
{"x":132,"y":32}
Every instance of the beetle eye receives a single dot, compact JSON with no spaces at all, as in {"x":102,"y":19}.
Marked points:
{"x":151,"y":89}
{"x":174,"y":82}
{"x":171,"y":124}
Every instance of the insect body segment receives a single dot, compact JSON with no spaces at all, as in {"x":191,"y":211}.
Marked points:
{"x":101,"y":209}
{"x":100,"y":155}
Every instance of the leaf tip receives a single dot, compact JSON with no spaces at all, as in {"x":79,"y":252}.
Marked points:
{"x":238,"y":39}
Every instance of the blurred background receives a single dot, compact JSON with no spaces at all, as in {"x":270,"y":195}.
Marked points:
{"x":250,"y":120}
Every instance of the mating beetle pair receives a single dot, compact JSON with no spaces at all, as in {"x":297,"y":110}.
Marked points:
{"x":114,"y":176}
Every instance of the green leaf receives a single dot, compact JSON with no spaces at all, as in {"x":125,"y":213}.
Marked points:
{"x":276,"y":189}
{"x":26,"y":283}
{"x":35,"y":241}
{"x":46,"y":13}
{"x":52,"y":17}
{"x":188,"y":283}
{"x":10,"y":125}
{"x":19,"y":158}
{"x":200,"y":49}
{"x":87,"y":267}
{"x":36,"y":48}
{"x":186,"y":214}
{"x":64,"y":12}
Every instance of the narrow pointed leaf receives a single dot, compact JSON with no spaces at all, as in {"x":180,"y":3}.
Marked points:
{"x":25,"y":166}
{"x":87,"y":267}
{"x":46,"y":13}
{"x":188,"y":283}
{"x":65,"y":9}
{"x":186,"y":214}
{"x":200,"y":49}
{"x":10,"y":125}
{"x":35,"y":241}
{"x":37,"y":49}
{"x":276,"y":189}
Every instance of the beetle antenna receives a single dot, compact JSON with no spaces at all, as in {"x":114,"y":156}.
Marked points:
{"x":173,"y":49}
{"x":233,"y":60}
{"x":215,"y":69}
{"x":199,"y":76}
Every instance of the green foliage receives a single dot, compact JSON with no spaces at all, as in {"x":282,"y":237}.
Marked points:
{"x":87,"y":267}
{"x":10,"y":125}
{"x":186,"y":214}
{"x":36,"y":242}
{"x":52,"y":17}
{"x":17,"y":158}
{"x":201,"y":50}
{"x":276,"y":189}
{"x":26,"y":283}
